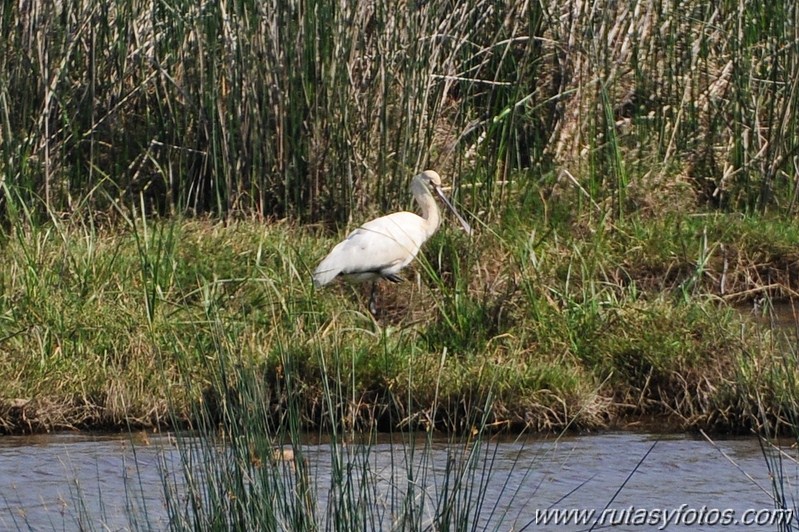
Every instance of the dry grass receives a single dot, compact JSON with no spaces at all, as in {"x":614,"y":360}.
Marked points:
{"x":323,"y":113}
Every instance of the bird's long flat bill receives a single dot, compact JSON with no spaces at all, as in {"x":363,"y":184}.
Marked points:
{"x":451,"y":207}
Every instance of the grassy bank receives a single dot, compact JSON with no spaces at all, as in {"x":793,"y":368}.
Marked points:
{"x":630,"y":167}
{"x":552,"y":323}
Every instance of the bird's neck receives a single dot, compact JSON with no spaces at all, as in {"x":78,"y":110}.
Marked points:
{"x":428,"y":206}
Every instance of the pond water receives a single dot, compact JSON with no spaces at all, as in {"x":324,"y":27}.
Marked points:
{"x":80,"y":481}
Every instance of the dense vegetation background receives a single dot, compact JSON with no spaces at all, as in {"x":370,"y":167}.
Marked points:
{"x":631,"y":168}
{"x":319,"y":110}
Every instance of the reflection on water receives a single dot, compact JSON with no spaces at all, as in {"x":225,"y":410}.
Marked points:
{"x":94,"y":482}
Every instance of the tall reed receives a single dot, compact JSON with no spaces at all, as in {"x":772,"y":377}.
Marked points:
{"x":245,"y":467}
{"x":319,"y":109}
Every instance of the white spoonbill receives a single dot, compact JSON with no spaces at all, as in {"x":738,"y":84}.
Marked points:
{"x":382,"y":247}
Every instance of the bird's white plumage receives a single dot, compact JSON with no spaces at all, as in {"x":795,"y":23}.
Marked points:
{"x":384,"y":246}
{"x":378,"y":248}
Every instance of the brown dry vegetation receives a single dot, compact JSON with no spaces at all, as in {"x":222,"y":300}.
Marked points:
{"x":323,"y":113}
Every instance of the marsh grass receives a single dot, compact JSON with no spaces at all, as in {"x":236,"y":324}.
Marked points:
{"x":244,"y":464}
{"x":775,"y":409}
{"x":215,"y":329}
{"x":144,"y":322}
{"x":319,"y":112}
{"x":577,"y":135}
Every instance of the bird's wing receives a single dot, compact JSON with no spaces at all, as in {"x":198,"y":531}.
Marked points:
{"x":387,"y":243}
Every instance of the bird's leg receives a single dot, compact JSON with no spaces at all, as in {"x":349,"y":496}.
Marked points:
{"x":372,"y":306}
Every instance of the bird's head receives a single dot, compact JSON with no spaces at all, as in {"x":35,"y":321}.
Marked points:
{"x":432,"y":181}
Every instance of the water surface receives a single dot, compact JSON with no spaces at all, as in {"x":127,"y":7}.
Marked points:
{"x":101,"y":482}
